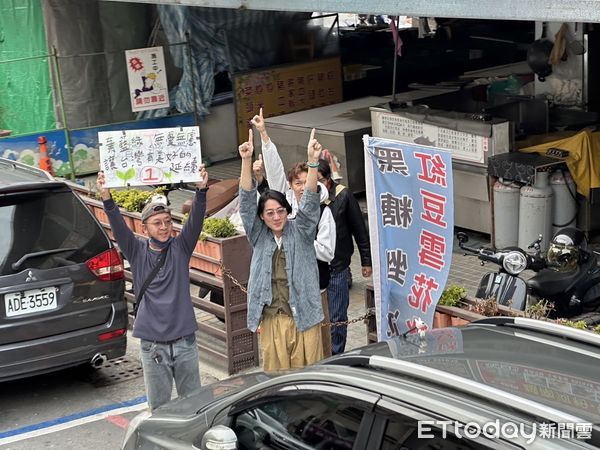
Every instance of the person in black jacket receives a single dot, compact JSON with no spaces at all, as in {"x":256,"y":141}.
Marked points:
{"x":349,"y":223}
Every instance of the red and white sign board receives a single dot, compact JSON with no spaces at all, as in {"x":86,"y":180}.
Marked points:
{"x":147,"y":77}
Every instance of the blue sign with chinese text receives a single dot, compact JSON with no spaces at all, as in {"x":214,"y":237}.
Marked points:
{"x":411,"y":222}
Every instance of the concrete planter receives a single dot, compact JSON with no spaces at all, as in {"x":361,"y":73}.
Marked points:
{"x":214,"y":254}
{"x":97,"y":209}
{"x":451,"y":316}
{"x":209,"y":255}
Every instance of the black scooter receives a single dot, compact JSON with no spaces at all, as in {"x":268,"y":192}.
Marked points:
{"x":575,"y":294}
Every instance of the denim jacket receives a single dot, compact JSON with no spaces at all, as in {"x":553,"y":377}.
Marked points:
{"x":301,"y":261}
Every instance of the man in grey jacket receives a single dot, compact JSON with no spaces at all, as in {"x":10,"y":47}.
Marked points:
{"x":165,"y":321}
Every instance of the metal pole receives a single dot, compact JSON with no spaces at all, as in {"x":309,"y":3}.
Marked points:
{"x":28,"y":58}
{"x":191,"y":68}
{"x":397,"y":18}
{"x":61,"y":102}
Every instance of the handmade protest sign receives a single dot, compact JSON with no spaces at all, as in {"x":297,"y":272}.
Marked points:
{"x":150,"y":157}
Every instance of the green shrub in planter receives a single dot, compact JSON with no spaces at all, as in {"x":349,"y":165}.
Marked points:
{"x":215,"y":227}
{"x":219,"y":228}
{"x":452,"y":296}
{"x":133,"y":199}
{"x":580,"y":324}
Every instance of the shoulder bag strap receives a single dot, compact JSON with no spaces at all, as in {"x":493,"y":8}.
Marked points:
{"x":140,"y":295}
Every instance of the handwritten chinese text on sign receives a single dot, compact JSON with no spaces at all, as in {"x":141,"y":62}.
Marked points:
{"x":149,"y":157}
{"x":411,"y":221}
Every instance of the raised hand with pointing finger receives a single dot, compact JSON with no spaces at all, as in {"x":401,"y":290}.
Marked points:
{"x":258,"y":170}
{"x":246,"y":150}
{"x":313,"y":150}
{"x":259,"y":122}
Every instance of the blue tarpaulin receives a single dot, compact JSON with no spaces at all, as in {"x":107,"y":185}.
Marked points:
{"x":220,"y":40}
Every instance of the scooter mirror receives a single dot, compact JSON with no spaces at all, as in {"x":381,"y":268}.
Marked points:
{"x":462,"y":237}
{"x":536,"y":244}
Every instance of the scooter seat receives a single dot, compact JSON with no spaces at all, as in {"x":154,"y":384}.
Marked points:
{"x":549,"y":283}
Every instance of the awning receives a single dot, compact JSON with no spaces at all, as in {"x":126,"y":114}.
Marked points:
{"x":535,"y":10}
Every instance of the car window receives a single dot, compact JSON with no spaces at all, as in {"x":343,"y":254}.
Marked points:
{"x":401,"y":433}
{"x":47,"y":221}
{"x":325,"y":422}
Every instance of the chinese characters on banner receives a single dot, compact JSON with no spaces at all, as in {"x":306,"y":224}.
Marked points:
{"x":158,"y":156}
{"x":285,"y":90}
{"x":147,"y":78}
{"x":411,"y":220}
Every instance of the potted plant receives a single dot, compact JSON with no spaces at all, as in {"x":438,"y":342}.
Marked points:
{"x":456,"y":308}
{"x":449,"y":311}
{"x":217,"y":234}
{"x":131,"y":201}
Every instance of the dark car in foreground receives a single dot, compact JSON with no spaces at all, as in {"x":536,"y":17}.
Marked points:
{"x":497,"y":383}
{"x":61,"y":278}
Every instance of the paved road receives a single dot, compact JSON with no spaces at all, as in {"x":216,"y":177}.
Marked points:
{"x":75,"y":409}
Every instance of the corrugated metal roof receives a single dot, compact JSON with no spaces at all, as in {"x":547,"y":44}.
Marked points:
{"x":541,"y":10}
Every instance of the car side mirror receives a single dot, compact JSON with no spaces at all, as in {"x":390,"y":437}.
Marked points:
{"x":220,"y":437}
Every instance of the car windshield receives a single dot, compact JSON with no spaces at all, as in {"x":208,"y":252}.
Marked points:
{"x":55,"y":225}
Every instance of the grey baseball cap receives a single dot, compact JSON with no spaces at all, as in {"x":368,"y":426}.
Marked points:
{"x":154,"y":208}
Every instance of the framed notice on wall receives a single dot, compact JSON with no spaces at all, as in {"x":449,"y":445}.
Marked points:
{"x":286,"y":89}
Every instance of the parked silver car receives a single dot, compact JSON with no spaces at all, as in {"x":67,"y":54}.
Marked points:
{"x":500,"y":383}
{"x":61,"y":278}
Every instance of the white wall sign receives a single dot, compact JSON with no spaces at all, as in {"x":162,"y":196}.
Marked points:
{"x":465,"y":146}
{"x":147,"y":77}
{"x":155,"y":156}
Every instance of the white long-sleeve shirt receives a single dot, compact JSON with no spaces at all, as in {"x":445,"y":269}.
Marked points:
{"x":276,"y":176}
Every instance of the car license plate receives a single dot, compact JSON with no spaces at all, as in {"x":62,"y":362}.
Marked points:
{"x":29,"y":302}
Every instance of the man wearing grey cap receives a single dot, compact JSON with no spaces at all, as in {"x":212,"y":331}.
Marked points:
{"x":165,"y":320}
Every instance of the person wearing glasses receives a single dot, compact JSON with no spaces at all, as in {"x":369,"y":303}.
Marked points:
{"x":165,"y":320}
{"x":271,"y":165}
{"x":283,"y":288}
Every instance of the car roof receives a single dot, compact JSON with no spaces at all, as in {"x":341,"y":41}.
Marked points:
{"x":535,"y":366}
{"x":12,"y":172}
{"x":19,"y":177}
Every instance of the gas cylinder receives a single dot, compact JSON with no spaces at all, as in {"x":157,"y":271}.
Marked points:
{"x":564,"y":204}
{"x":506,"y":219}
{"x":535,"y":212}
